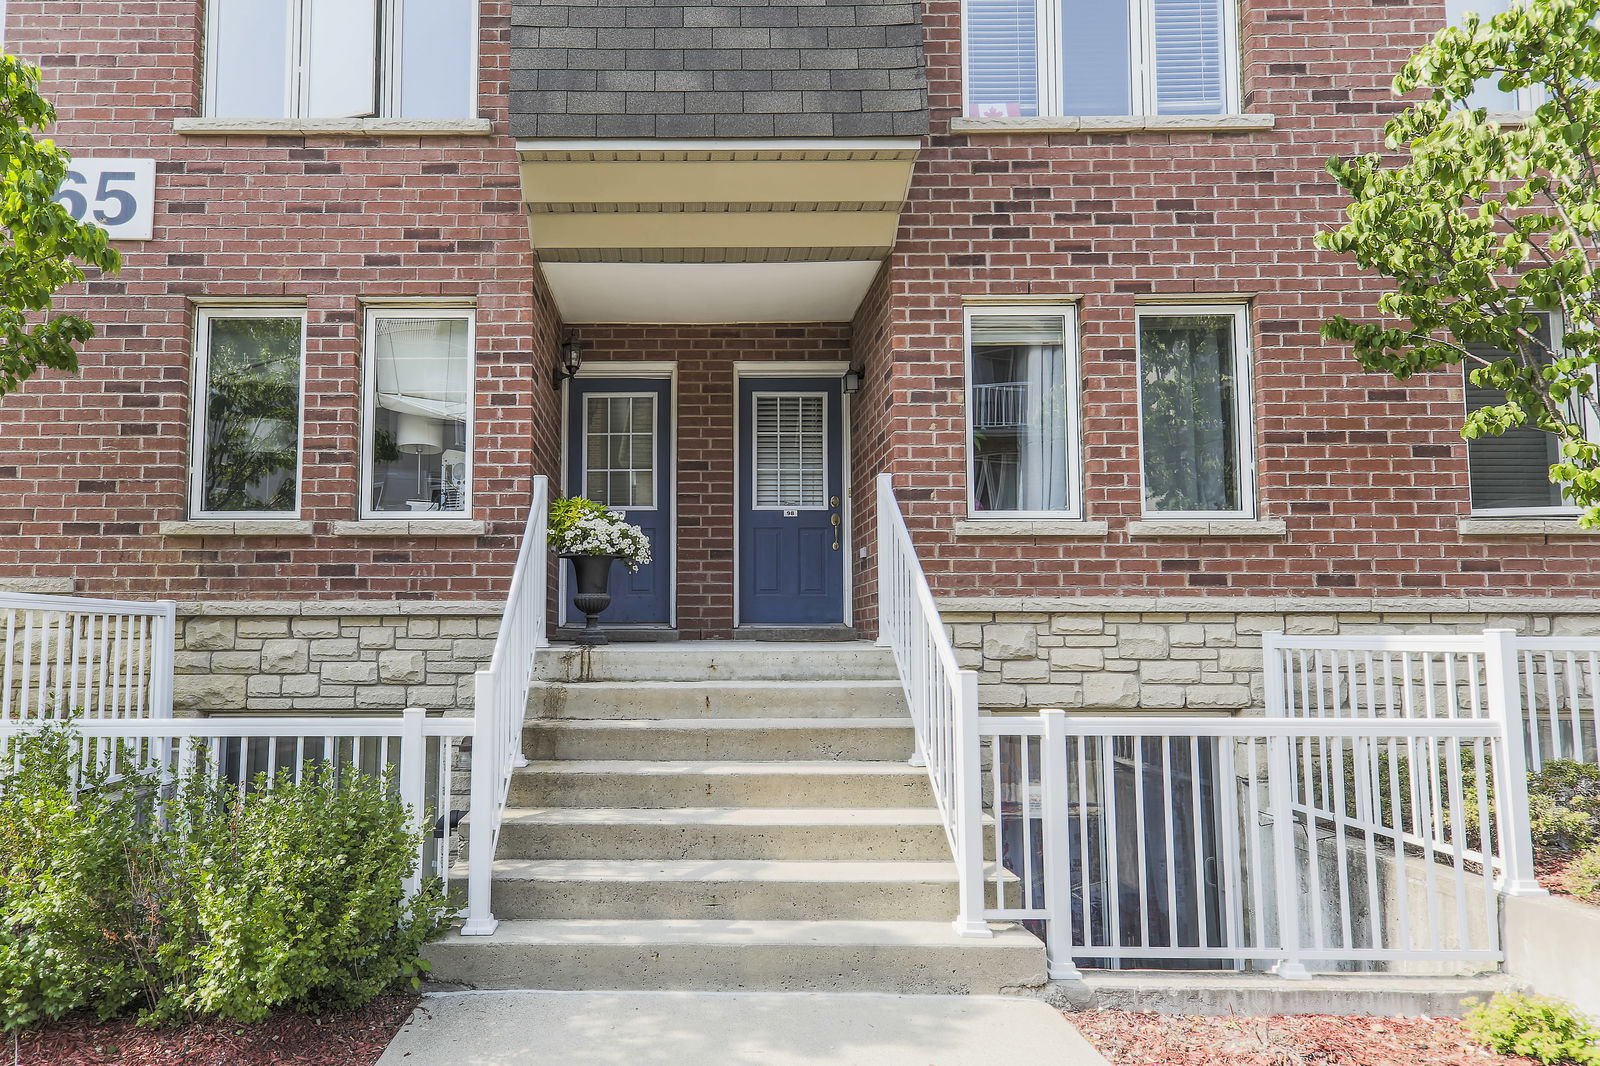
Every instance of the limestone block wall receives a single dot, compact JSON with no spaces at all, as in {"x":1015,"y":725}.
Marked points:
{"x":1162,"y":654}
{"x":356,"y":656}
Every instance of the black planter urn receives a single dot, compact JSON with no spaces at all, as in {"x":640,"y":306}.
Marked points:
{"x":591,"y":575}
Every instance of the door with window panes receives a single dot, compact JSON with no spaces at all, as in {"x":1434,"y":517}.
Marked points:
{"x":619,"y":453}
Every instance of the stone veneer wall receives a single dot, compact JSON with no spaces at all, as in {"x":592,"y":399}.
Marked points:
{"x":1186,"y":653}
{"x":356,"y":656}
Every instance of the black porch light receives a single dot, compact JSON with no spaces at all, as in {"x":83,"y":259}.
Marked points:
{"x":852,"y":381}
{"x":571,"y":358}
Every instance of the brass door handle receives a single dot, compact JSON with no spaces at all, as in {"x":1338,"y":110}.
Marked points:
{"x":834,"y":519}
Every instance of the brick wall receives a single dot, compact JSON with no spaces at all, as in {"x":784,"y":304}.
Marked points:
{"x":1369,"y":474}
{"x":91,"y":464}
{"x":705,"y":446}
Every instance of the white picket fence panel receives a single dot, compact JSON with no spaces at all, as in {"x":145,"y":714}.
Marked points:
{"x":74,"y":656}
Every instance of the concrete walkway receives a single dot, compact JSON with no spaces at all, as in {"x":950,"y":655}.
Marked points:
{"x":733,"y":1029}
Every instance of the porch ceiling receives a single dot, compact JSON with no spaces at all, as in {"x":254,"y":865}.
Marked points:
{"x":713,"y":231}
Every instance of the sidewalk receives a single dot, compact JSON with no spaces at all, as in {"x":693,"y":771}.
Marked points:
{"x":733,"y":1029}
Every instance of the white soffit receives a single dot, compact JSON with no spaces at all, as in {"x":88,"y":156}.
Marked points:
{"x":709,"y":292}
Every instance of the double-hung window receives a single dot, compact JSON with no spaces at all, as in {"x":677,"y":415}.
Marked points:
{"x":1101,"y":57}
{"x":1022,"y":412}
{"x":417,"y":454}
{"x":341,"y":58}
{"x":246,"y":413}
{"x":1195,"y":412}
{"x":1510,"y":473}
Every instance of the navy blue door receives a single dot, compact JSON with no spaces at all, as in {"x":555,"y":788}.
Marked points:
{"x":619,"y":453}
{"x":791,"y":474}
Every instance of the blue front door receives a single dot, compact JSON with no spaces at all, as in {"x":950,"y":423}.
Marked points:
{"x":619,"y":453}
{"x":791,"y":487}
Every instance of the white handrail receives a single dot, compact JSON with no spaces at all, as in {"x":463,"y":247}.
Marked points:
{"x":74,"y":656}
{"x":500,"y":698}
{"x":943,"y":699}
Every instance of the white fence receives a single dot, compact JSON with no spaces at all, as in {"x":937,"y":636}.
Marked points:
{"x":943,"y":699}
{"x":66,"y":655}
{"x":500,"y":699}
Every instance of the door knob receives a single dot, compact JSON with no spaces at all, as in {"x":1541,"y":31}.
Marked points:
{"x":834,"y":519}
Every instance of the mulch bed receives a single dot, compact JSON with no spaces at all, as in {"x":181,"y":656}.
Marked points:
{"x":1129,"y":1039}
{"x":1551,"y":869}
{"x":347,"y":1038}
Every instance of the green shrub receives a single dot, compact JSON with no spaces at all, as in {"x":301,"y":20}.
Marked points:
{"x":1583,"y":876}
{"x":202,"y":899}
{"x":565,"y":513}
{"x":1564,"y":805}
{"x":1544,"y":1029}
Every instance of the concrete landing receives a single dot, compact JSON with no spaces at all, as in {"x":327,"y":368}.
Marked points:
{"x":722,"y":1029}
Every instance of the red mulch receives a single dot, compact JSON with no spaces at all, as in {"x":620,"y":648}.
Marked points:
{"x":347,"y":1038}
{"x":1130,"y":1039}
{"x":1551,"y":868}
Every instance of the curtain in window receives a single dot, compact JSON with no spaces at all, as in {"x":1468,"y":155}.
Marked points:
{"x":1191,"y":69}
{"x":1021,"y":416}
{"x":1002,"y":58}
{"x":1096,"y":57}
{"x":1188,"y":403}
{"x":1510,"y":471}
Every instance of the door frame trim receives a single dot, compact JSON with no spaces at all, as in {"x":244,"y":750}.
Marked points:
{"x":621,"y":368}
{"x":832,"y":368}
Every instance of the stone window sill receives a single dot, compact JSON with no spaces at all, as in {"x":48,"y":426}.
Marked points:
{"x":397,"y":127}
{"x":1209,"y":527}
{"x":420,"y":527}
{"x":223,"y":527}
{"x":1523,"y":527}
{"x":1115,"y":124}
{"x":1029,"y":527}
{"x":39,"y":586}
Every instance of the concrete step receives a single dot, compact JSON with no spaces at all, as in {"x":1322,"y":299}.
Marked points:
{"x":722,"y":783}
{"x":773,"y":956}
{"x":723,"y":833}
{"x":1382,"y":995}
{"x":751,"y":889}
{"x":872,"y":739}
{"x":717,"y":699}
{"x":718,"y":660}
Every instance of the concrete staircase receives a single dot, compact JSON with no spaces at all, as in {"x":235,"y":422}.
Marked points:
{"x":733,"y":816}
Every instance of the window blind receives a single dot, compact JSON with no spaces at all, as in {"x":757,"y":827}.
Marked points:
{"x":1190,"y":68}
{"x":789,"y":451}
{"x":1096,"y":57}
{"x":1511,"y":470}
{"x":1002,"y":58}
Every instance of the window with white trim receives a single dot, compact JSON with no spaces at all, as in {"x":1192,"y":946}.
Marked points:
{"x":1101,"y":57}
{"x":417,"y":458}
{"x":341,"y":58}
{"x":1022,"y":412}
{"x":246,"y":413}
{"x":1509,"y":474}
{"x":1195,"y":412}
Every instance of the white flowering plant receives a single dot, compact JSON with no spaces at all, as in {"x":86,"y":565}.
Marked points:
{"x":583,"y":527}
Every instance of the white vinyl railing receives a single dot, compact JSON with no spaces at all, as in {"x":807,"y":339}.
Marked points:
{"x":64,"y":656}
{"x":419,"y":751}
{"x":943,"y":699}
{"x":500,"y":699}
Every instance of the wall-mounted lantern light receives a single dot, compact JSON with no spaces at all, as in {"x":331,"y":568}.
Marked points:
{"x":852,"y":381}
{"x":571,"y":359}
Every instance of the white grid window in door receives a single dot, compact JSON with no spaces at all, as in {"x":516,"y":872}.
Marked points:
{"x":619,"y":448}
{"x":790,"y":451}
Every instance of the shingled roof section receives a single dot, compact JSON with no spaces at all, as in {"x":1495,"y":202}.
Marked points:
{"x":733,"y":68}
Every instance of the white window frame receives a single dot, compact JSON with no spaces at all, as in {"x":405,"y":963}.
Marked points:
{"x":1586,"y":418}
{"x":1074,"y":431}
{"x":1243,"y":403}
{"x":369,"y":397}
{"x":389,"y":45}
{"x":1048,"y":61}
{"x":655,"y":446}
{"x":755,"y":472}
{"x":200,"y":387}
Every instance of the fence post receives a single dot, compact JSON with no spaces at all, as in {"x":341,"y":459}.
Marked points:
{"x":1517,"y":876}
{"x":1272,"y":675}
{"x":413,"y":781}
{"x":163,"y":660}
{"x":484,"y":812}
{"x":885,"y":493}
{"x":1285,"y":868}
{"x":1057,"y":846}
{"x":969,"y":810}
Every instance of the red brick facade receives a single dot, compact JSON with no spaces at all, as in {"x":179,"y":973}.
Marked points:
{"x":1370,"y":475}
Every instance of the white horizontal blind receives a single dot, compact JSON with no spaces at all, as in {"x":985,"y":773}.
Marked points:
{"x":789,"y":451}
{"x":1190,"y":61}
{"x":1002,"y":58}
{"x":1511,"y":470}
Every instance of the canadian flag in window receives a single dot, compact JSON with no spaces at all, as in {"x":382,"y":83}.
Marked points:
{"x":1001,"y":109}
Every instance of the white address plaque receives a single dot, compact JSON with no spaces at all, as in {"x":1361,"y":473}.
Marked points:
{"x":118,"y":195}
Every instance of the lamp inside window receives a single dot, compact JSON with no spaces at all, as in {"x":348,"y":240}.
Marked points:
{"x":420,"y":434}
